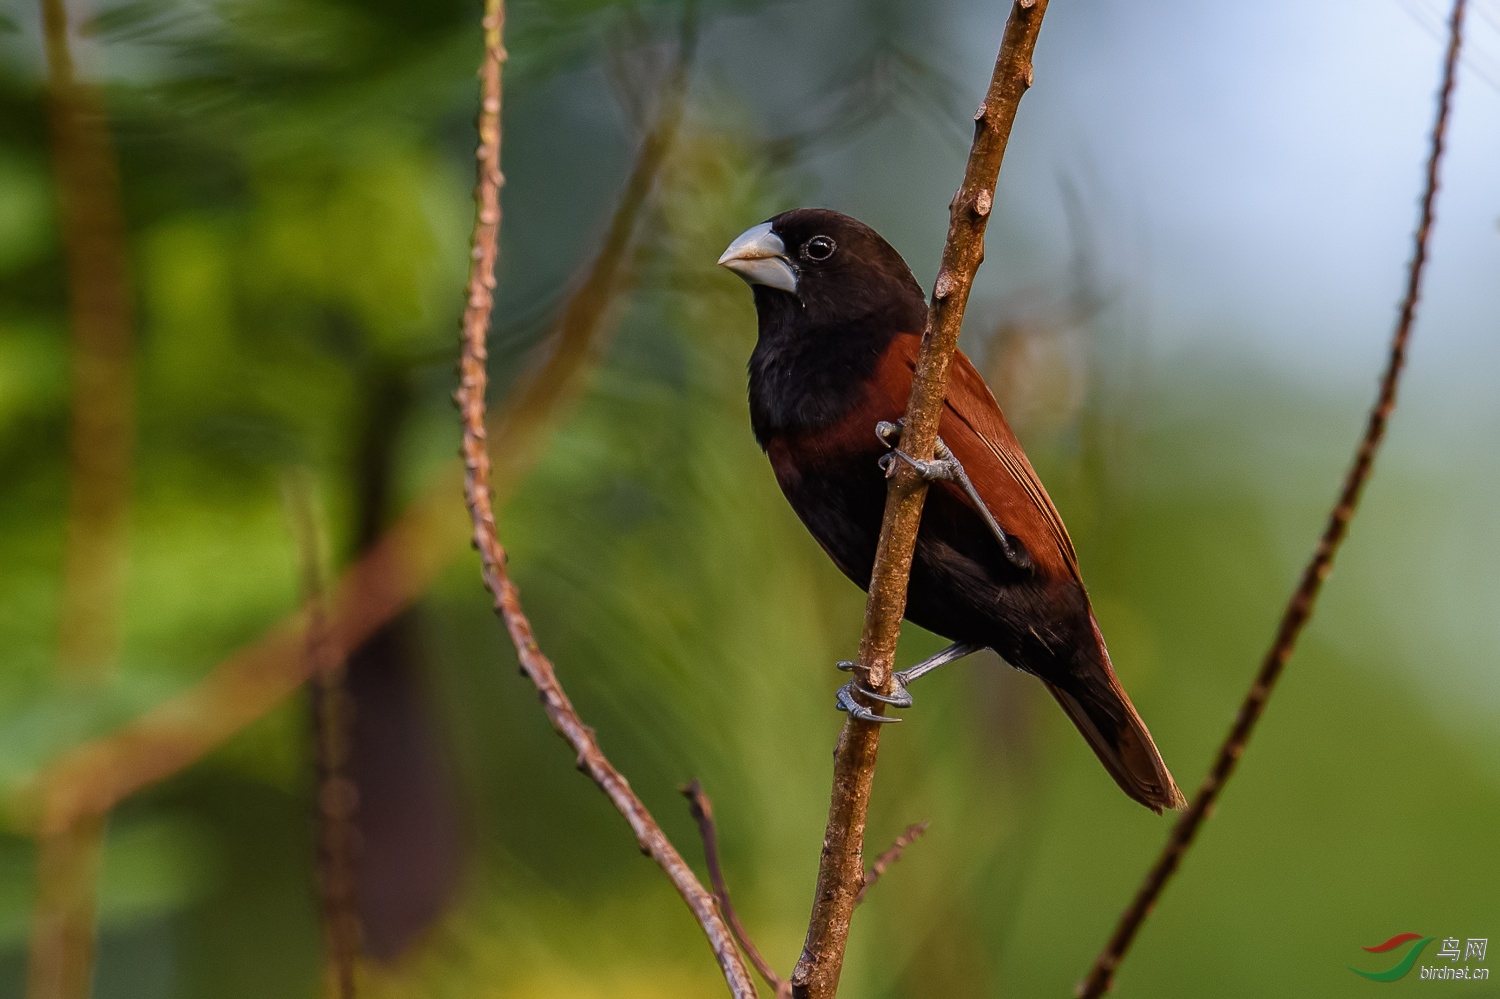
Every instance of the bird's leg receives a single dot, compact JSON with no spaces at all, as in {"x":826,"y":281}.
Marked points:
{"x":945,"y":467}
{"x":900,"y":697}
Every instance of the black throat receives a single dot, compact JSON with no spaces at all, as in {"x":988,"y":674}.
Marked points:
{"x":806,"y":375}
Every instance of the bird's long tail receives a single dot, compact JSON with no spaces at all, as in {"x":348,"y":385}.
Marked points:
{"x":1101,"y":709}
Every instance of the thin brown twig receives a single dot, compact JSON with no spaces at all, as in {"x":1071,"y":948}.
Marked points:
{"x":473,"y":380}
{"x":702,"y":810}
{"x":841,"y":868}
{"x":336,"y":796}
{"x":391,"y":574}
{"x":891,"y":854}
{"x":1299,"y":608}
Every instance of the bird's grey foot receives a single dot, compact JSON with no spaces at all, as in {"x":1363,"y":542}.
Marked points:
{"x":848,"y":699}
{"x":945,"y":467}
{"x":900,"y":696}
{"x":847,"y":702}
{"x":942,"y":468}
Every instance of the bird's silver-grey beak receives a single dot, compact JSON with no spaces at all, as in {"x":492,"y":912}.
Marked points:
{"x":759,"y":256}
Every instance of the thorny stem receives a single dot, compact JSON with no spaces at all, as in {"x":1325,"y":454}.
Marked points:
{"x":394,"y":571}
{"x":841,"y":868}
{"x":537,"y":667}
{"x":1299,"y":608}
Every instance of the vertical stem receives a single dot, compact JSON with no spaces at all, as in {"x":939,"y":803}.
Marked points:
{"x":841,"y":871}
{"x":1299,"y":608}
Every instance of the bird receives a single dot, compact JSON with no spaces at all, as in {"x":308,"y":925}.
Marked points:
{"x":840,"y":319}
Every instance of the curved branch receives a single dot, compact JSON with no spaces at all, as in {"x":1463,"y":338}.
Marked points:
{"x":537,"y":667}
{"x":393,"y":572}
{"x":1299,"y":608}
{"x":841,"y":872}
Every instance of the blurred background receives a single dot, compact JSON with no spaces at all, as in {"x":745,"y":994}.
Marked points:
{"x":1200,"y":237}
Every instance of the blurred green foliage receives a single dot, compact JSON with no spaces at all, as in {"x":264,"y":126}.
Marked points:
{"x":297,"y":179}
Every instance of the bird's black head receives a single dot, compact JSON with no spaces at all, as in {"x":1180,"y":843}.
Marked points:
{"x":830,"y":294}
{"x":816,"y":267}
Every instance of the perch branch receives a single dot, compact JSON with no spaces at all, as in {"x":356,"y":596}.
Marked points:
{"x":841,"y":871}
{"x":471,"y":400}
{"x":1299,"y":608}
{"x":392,"y":573}
{"x":702,"y":810}
{"x":890,"y":856}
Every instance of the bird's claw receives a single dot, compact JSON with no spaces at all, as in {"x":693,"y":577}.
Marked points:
{"x":850,"y":695}
{"x":900,"y":699}
{"x":942,"y":468}
{"x":846,"y":702}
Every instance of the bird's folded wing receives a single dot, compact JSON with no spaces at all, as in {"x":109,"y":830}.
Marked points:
{"x":975,"y":430}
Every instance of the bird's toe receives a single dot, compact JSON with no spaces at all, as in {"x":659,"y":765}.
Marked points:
{"x":847,"y":703}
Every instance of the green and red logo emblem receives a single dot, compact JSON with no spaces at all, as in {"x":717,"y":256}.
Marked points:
{"x":1401,"y":967}
{"x":1451,"y":950}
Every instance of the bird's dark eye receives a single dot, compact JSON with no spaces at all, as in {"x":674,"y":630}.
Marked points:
{"x":819,"y":248}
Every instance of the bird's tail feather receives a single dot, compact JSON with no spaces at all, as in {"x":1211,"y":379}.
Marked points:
{"x":1101,"y":709}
